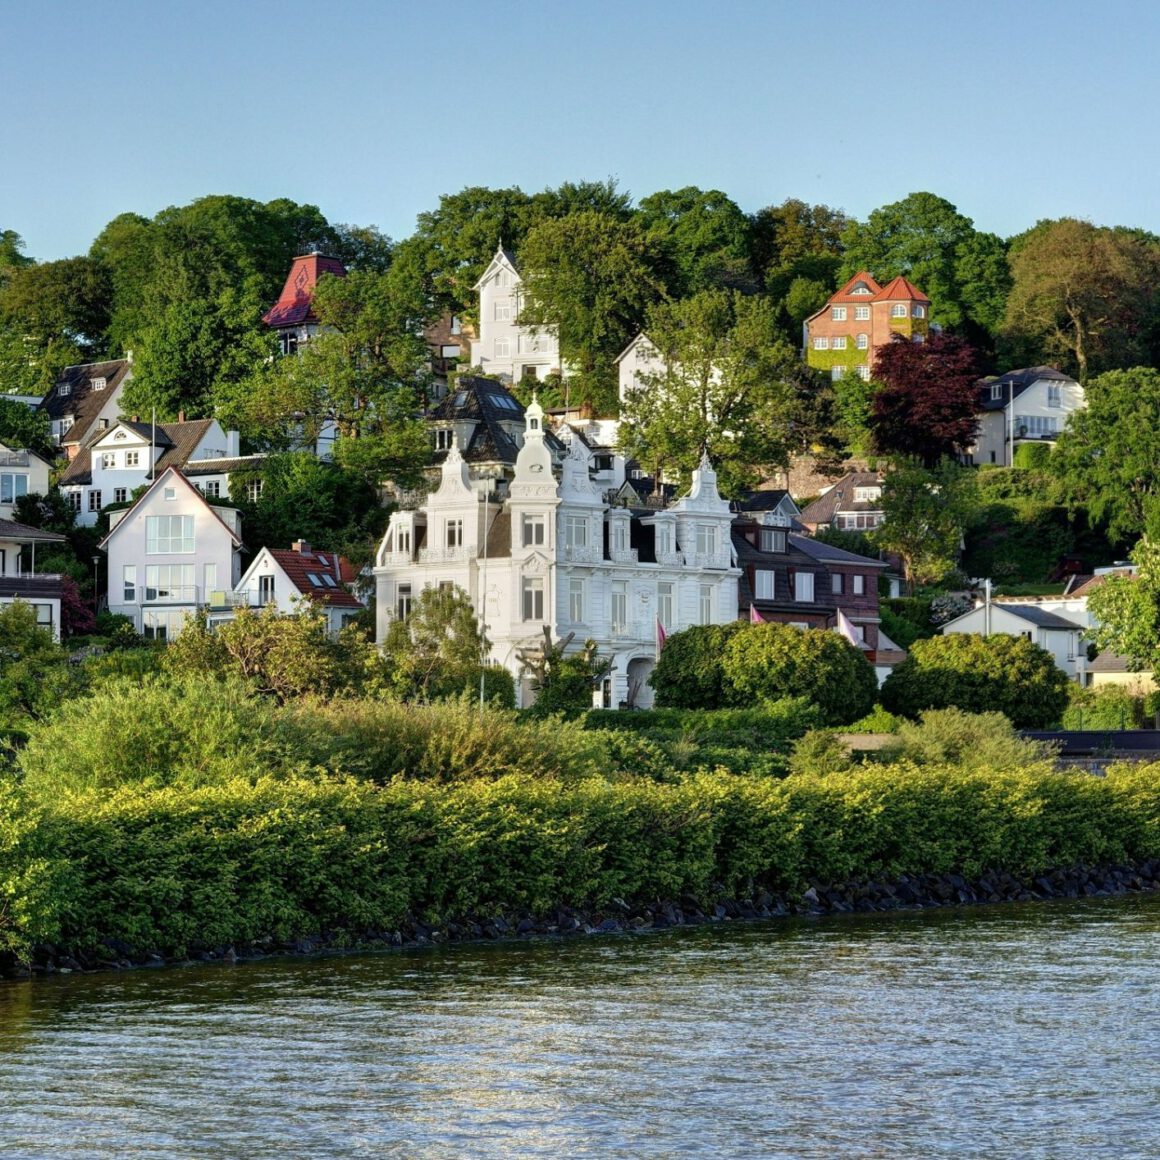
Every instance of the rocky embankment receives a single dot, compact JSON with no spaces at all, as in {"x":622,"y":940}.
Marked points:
{"x":905,"y":893}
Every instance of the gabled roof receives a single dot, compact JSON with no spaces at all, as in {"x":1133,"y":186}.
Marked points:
{"x":295,"y":303}
{"x":170,"y":474}
{"x":901,"y":289}
{"x":81,"y":400}
{"x":766,"y":500}
{"x":16,"y":532}
{"x":1085,"y":589}
{"x":178,"y":442}
{"x":308,"y":572}
{"x":1020,"y":380}
{"x":840,"y":498}
{"x":1037,"y":616}
{"x":488,"y":404}
{"x":847,"y":294}
{"x":501,"y":257}
{"x":641,"y":337}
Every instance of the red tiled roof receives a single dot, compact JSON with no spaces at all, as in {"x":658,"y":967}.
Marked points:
{"x":901,"y":290}
{"x":294,"y":304}
{"x":1088,"y":587}
{"x":845,"y":295}
{"x":300,"y":566}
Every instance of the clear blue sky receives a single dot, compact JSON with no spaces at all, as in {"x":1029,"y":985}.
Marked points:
{"x":1014,"y":111}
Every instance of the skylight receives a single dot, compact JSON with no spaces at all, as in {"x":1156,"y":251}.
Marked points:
{"x":314,"y":579}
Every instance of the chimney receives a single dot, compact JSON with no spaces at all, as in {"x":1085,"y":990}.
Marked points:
{"x":134,"y":419}
{"x":233,"y":445}
{"x":301,"y":547}
{"x":181,"y":416}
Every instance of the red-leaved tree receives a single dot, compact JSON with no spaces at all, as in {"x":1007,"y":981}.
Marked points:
{"x":927,"y":398}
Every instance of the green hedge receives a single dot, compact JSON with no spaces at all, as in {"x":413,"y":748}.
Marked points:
{"x":174,"y":870}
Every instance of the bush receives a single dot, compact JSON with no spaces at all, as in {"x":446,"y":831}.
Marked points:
{"x":965,"y":740}
{"x":770,"y":661}
{"x":1032,"y":456}
{"x":878,"y":720}
{"x":1005,"y":674}
{"x":688,"y":673}
{"x":1111,"y":707}
{"x":818,"y":754}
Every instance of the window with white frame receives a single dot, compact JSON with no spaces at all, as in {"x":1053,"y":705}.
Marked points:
{"x":836,"y":372}
{"x":864,"y":372}
{"x":213,"y":488}
{"x":129,"y":583}
{"x":160,"y":624}
{"x":838,"y":313}
{"x":13,"y":484}
{"x":533,"y":526}
{"x":503,"y":348}
{"x":836,"y":583}
{"x":919,"y":310}
{"x":108,"y":460}
{"x":996,"y":391}
{"x":266,"y":589}
{"x":165,"y":535}
{"x":64,"y":390}
{"x":664,"y":539}
{"x":1038,"y":426}
{"x":403,"y":601}
{"x":254,"y":490}
{"x":503,"y":310}
{"x":763,"y":584}
{"x":620,"y":536}
{"x":576,"y":601}
{"x":665,"y":604}
{"x":99,"y":383}
{"x":170,"y":582}
{"x":821,"y":343}
{"x":772,"y":540}
{"x":859,"y":584}
{"x":533,"y":594}
{"x":898,"y":310}
{"x":453,"y":533}
{"x":705,"y":604}
{"x":95,"y":500}
{"x":575,"y":531}
{"x":863,"y":342}
{"x":867,"y":494}
{"x":210,"y":577}
{"x":619,"y":611}
{"x":803,"y":587}
{"x":443,"y":438}
{"x":74,"y":501}
{"x":707,"y":539}
{"x":1054,"y":395}
{"x":861,"y":313}
{"x":132,"y":458}
{"x":120,"y":494}
{"x":403,"y":538}
{"x":838,"y":342}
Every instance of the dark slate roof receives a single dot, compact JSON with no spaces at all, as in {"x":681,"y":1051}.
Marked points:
{"x":488,"y":404}
{"x":183,"y":439}
{"x":1037,"y":616}
{"x":222,"y":466}
{"x":840,"y":498}
{"x":82,"y":402}
{"x":11,"y":530}
{"x":829,"y":554}
{"x":1022,"y":379}
{"x":762,"y":501}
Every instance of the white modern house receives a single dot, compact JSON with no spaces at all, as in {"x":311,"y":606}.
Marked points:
{"x":504,"y":348}
{"x":639,"y":360}
{"x":116,"y":460}
{"x":19,"y":579}
{"x":552,"y":551}
{"x":293,"y":579}
{"x":1030,"y":405}
{"x":168,"y":554}
{"x":22,"y":472}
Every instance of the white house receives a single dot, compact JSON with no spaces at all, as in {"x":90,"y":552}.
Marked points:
{"x":635,"y":363}
{"x":504,"y":348}
{"x":1031,"y":405}
{"x":22,"y":472}
{"x":1057,"y":634}
{"x":168,"y":553}
{"x":85,"y":398}
{"x":290,"y":578}
{"x":117,"y":460}
{"x":554,"y":552}
{"x":19,"y":579}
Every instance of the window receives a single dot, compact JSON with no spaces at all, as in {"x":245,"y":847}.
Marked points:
{"x":503,"y":310}
{"x":665,"y":605}
{"x":64,"y":390}
{"x":108,"y":460}
{"x":864,"y":373}
{"x":454,"y":533}
{"x":265,"y":589}
{"x":859,"y":585}
{"x":837,"y":372}
{"x":169,"y":582}
{"x":919,"y":311}
{"x":74,"y":501}
{"x":95,"y":500}
{"x":13,"y":484}
{"x":533,"y":531}
{"x":170,"y":493}
{"x":996,"y":391}
{"x":838,"y":343}
{"x":403,"y":540}
{"x":706,"y":540}
{"x":863,"y":342}
{"x":212,"y":488}
{"x":102,"y":424}
{"x":254,"y":490}
{"x":620,"y":536}
{"x":289,"y":342}
{"x":803,"y":587}
{"x":530,"y":344}
{"x":533,"y":591}
{"x":129,"y":581}
{"x":403,"y":601}
{"x":1037,"y":426}
{"x":821,"y":343}
{"x":836,"y":583}
{"x":772,"y":540}
{"x":168,"y":534}
{"x":161,"y":625}
{"x":619,"y":605}
{"x":576,"y":601}
{"x":867,"y":494}
{"x":120,"y":494}
{"x":503,"y":348}
{"x":664,"y":539}
{"x":705,"y":604}
{"x":838,"y":313}
{"x":132,"y":458}
{"x":861,"y":313}
{"x":98,"y":384}
{"x":763,"y":584}
{"x":898,"y":310}
{"x":1054,"y":395}
{"x":576,"y":531}
{"x":443,"y":439}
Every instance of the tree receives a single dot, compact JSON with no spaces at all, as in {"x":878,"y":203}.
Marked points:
{"x":1082,"y":294}
{"x":926,"y":239}
{"x":689,"y":673}
{"x":563,"y":682}
{"x":980,"y":674}
{"x":927,"y":398}
{"x":703,"y":234}
{"x":34,"y":672}
{"x":924,"y":514}
{"x":723,"y":390}
{"x":796,"y":240}
{"x":438,"y":649}
{"x":590,"y":276}
{"x":12,"y":255}
{"x":1126,"y":610}
{"x":853,"y":411}
{"x":1108,"y":457}
{"x":22,"y":427}
{"x":766,"y":662}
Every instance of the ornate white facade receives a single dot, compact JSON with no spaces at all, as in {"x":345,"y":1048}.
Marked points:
{"x":554,"y":552}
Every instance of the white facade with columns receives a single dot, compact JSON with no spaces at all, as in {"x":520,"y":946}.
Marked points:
{"x":554,"y":552}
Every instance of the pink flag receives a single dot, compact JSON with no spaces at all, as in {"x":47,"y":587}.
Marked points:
{"x":755,"y":617}
{"x":846,"y":627}
{"x":662,"y":636}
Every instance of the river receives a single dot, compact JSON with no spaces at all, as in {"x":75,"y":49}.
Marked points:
{"x":1024,"y":1031}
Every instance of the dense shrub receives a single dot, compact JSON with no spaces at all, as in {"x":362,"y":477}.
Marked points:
{"x":965,"y":740}
{"x":1111,"y":707}
{"x":878,"y":720}
{"x":1032,"y":456}
{"x":1006,"y":674}
{"x":770,"y":661}
{"x":688,"y":673}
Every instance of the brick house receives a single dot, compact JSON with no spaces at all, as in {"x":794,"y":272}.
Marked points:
{"x":847,"y":333}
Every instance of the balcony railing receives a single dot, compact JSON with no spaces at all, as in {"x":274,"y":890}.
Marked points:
{"x":582,"y":554}
{"x":670,"y":559}
{"x":443,"y":555}
{"x":719,"y":559}
{"x":623,"y":555}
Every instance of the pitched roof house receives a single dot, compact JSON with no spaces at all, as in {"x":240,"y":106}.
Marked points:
{"x":292,"y":316}
{"x":1028,"y":405}
{"x":85,"y":398}
{"x":853,"y":504}
{"x":19,"y":579}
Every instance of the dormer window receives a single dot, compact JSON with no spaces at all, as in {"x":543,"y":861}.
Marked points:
{"x":98,"y":384}
{"x":860,"y":288}
{"x":772,"y":539}
{"x":996,"y":390}
{"x":867,"y":494}
{"x":443,"y":439}
{"x":64,"y":390}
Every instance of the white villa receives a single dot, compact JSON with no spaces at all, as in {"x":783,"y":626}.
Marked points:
{"x":294,"y":578}
{"x":504,"y":348}
{"x":1031,"y":405}
{"x":553,"y":551}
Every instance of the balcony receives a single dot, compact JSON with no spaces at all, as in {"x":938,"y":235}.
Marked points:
{"x":443,"y":555}
{"x":718,"y":559}
{"x":670,"y":559}
{"x":582,"y":554}
{"x":14,"y":459}
{"x":623,"y":555}
{"x":170,"y":594}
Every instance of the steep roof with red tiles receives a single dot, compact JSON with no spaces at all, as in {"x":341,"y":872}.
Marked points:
{"x":901,"y":289}
{"x":295,"y":304}
{"x":861,"y":288}
{"x":317,"y":574}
